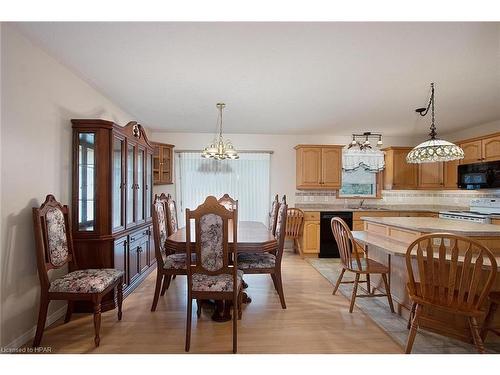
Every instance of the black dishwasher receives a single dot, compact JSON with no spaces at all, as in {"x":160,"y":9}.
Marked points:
{"x":327,"y":245}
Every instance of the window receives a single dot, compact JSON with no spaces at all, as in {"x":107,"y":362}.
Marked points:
{"x":245,"y":179}
{"x":358,"y":183}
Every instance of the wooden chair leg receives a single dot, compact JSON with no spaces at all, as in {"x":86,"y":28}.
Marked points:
{"x":488,"y":320}
{"x":158,"y":287}
{"x":354,"y":292}
{"x":97,"y":322}
{"x":279,"y":281}
{"x":339,"y":280}
{"x":119,"y":297}
{"x":368,"y":284}
{"x":412,"y":314}
{"x":413,"y":330}
{"x":235,"y":324}
{"x":42,"y":317}
{"x":69,"y":311}
{"x":198,"y":308}
{"x":240,"y":304}
{"x":166,"y":284}
{"x":388,"y":292}
{"x":474,"y":328}
{"x":188,"y":323}
{"x":173,"y":277}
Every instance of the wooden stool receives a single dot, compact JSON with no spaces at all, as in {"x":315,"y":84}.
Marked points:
{"x":494,"y":298}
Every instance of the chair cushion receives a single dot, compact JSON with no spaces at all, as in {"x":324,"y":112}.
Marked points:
{"x":260,"y":260}
{"x":177,"y":261}
{"x":217,"y":283}
{"x":85,"y":281}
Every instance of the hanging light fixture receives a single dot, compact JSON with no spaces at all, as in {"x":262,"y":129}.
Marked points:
{"x":220,"y":149}
{"x":360,"y":153}
{"x":434,"y":149}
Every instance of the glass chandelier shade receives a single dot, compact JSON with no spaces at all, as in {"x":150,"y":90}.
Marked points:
{"x":220,"y":149}
{"x":434,"y":149}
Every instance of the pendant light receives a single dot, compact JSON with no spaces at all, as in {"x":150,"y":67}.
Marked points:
{"x":220,"y":149}
{"x":434,"y":149}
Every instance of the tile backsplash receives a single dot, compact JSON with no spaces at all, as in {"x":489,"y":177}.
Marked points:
{"x":459,"y":198}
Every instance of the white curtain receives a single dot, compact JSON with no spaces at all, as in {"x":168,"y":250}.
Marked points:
{"x":245,"y":179}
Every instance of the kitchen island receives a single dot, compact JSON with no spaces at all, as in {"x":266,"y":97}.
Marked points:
{"x":386,"y":239}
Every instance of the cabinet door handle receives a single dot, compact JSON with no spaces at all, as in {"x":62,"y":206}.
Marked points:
{"x":132,"y":239}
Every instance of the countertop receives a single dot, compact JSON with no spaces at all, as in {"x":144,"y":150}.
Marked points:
{"x":398,"y":207}
{"x":432,"y":225}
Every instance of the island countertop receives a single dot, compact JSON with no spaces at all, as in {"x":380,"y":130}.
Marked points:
{"x":433,"y":225}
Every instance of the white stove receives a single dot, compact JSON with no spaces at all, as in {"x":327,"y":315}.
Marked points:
{"x":480,"y":211}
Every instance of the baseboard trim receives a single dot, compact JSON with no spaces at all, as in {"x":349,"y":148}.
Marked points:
{"x":29,"y":335}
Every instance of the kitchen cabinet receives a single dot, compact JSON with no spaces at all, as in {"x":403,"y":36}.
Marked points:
{"x":450,"y":174}
{"x":472,"y":152}
{"x":163,"y":163}
{"x":310,"y":234}
{"x":318,"y":167}
{"x":398,"y":174}
{"x":111,"y":199}
{"x":495,"y":221}
{"x":485,"y":148}
{"x":430,"y":176}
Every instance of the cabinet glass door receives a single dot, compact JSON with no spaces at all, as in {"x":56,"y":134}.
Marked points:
{"x":149,"y":184}
{"x":86,"y":178}
{"x":117,"y":183}
{"x":130,"y":184}
{"x":140,"y":186}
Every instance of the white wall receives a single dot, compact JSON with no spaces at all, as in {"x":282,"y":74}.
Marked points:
{"x":282,"y":159}
{"x":39,"y":97}
{"x":473,"y":131}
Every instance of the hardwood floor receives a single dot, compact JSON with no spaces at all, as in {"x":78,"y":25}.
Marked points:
{"x":314,"y":322}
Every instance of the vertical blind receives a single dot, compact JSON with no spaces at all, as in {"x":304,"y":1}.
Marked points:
{"x":245,"y":179}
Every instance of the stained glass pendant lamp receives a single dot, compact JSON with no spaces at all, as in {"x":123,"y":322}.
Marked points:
{"x":434,"y":149}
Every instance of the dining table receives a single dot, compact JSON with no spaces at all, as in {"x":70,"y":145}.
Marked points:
{"x":252,"y":237}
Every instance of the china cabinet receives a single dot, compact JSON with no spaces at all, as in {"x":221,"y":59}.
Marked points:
{"x":163,"y":163}
{"x":111,"y":200}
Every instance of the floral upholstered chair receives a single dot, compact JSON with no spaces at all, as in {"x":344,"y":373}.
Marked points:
{"x":269,"y":263}
{"x":273,"y":214}
{"x":213,"y":275}
{"x":54,"y":248}
{"x":171,"y":215}
{"x":168,"y":263}
{"x":228,"y":202}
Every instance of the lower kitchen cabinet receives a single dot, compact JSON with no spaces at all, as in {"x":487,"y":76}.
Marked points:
{"x":310,"y":233}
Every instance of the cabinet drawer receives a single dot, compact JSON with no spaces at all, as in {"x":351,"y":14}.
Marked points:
{"x":309,"y":216}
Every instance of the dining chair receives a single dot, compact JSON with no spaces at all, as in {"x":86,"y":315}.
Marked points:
{"x":446,"y":273}
{"x":269,"y":263}
{"x":228,"y":202}
{"x":294,"y":222}
{"x":494,"y":299}
{"x":171,"y":214}
{"x":168,"y":264}
{"x":213,"y":275}
{"x":273,"y":214}
{"x":352,"y":262}
{"x":54,"y":249}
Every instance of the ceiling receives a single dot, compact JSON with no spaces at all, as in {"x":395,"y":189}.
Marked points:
{"x":286,"y":78}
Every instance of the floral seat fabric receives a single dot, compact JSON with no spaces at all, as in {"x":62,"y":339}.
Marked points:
{"x":56,"y":236}
{"x":217,"y":283}
{"x":264,"y":260}
{"x":85,"y":281}
{"x":177,"y":261}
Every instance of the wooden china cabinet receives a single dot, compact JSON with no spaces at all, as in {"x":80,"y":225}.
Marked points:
{"x":111,"y":200}
{"x":163,"y":163}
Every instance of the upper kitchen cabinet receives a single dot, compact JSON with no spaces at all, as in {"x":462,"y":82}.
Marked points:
{"x":485,"y":148}
{"x":319,"y":167}
{"x":398,"y":174}
{"x":163,"y":163}
{"x":430,"y":176}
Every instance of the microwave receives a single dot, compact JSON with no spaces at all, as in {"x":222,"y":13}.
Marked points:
{"x":479,"y":175}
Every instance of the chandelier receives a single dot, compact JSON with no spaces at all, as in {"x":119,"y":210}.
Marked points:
{"x":220,"y":149}
{"x":360,"y":153}
{"x":434,"y":149}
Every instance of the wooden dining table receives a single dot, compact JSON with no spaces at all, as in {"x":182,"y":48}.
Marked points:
{"x":252,"y":237}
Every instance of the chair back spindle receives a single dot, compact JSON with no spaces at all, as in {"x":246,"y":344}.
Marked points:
{"x":294,"y":221}
{"x":448,"y":269}
{"x":346,"y":244}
